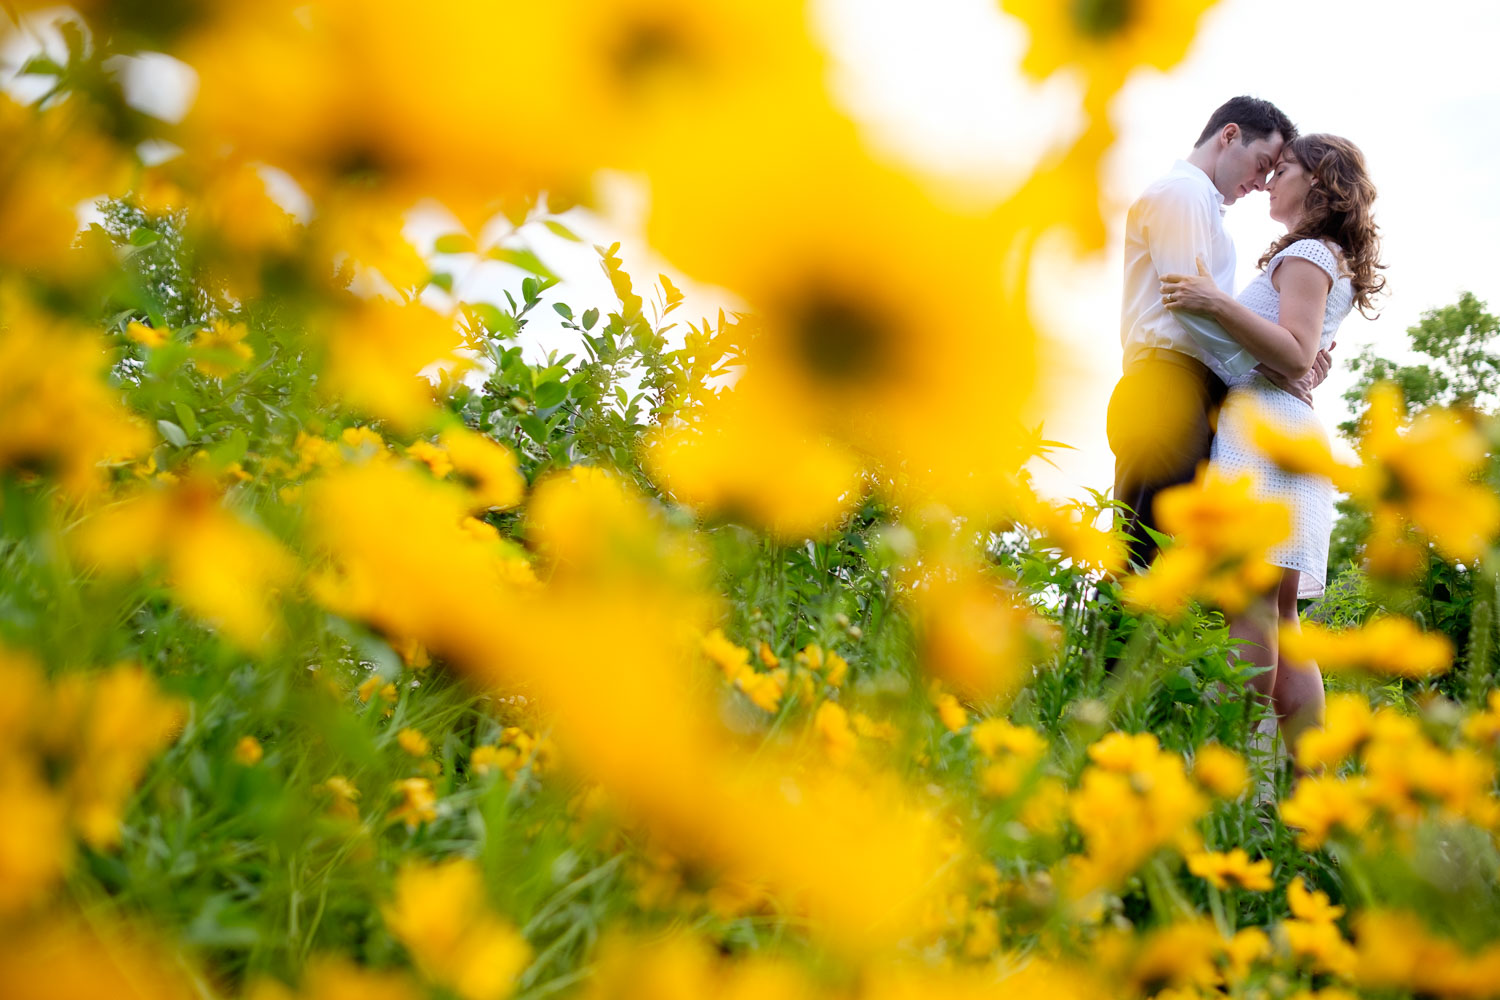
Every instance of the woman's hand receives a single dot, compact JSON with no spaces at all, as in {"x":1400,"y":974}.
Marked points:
{"x":1191,"y":292}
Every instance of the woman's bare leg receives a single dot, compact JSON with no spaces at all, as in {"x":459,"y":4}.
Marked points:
{"x":1297,"y":691}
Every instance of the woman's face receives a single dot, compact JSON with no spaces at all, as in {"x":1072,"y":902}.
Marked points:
{"x":1288,"y":189}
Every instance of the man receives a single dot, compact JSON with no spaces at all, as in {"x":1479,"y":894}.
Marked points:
{"x":1162,"y":412}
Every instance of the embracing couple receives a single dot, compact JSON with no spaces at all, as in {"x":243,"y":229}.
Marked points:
{"x":1201,"y":362}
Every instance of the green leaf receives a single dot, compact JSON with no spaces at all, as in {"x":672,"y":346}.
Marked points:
{"x":172,"y":433}
{"x":524,"y":259}
{"x":232,"y":448}
{"x":549,"y":394}
{"x":143,"y":237}
{"x":41,"y":66}
{"x":563,"y":309}
{"x":558,"y":229}
{"x":186,"y":418}
{"x":590,"y":317}
{"x":454,"y":243}
{"x":533,"y":426}
{"x":441,"y":279}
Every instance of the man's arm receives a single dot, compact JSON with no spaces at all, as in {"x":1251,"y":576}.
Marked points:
{"x":1302,"y":388}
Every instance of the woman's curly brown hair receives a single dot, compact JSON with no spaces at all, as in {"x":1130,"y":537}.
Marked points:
{"x":1339,"y":208}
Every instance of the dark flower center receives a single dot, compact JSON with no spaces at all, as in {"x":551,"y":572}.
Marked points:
{"x":840,"y":339}
{"x":646,"y":49}
{"x":1099,"y":19}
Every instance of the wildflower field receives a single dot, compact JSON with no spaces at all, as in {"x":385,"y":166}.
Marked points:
{"x":346,"y":650}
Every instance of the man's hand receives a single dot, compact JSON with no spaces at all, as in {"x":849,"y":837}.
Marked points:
{"x":1302,"y":388}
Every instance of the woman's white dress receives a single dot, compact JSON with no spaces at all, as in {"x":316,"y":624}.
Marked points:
{"x":1310,"y":498}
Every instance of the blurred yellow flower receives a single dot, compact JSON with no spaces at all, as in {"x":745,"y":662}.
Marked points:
{"x":218,"y":566}
{"x":375,"y":354}
{"x":219,"y":350}
{"x":418,"y":803}
{"x":248,"y":751}
{"x":413,"y":742}
{"x":58,"y":416}
{"x":431,"y":455}
{"x":950,"y":712}
{"x":1220,"y":770}
{"x":1106,"y":40}
{"x":1223,"y":532}
{"x":1387,"y":646}
{"x":1424,"y":473}
{"x":1323,"y":804}
{"x":832,"y":725}
{"x":35,"y":849}
{"x":439,"y":913}
{"x":1231,"y":870}
{"x":144,"y":335}
{"x":488,"y":469}
{"x":1346,"y":725}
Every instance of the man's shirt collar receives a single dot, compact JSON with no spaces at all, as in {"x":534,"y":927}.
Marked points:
{"x":1185,"y":169}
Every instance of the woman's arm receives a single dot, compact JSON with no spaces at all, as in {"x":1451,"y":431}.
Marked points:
{"x":1287,"y":346}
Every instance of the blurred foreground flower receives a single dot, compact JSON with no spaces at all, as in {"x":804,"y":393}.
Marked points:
{"x":1222,"y":533}
{"x":1388,"y":646}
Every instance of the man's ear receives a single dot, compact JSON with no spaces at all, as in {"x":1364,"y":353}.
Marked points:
{"x":1229,"y":133}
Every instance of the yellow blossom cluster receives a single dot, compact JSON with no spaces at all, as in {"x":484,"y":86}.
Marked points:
{"x":1401,"y":776}
{"x":1388,"y":646}
{"x":72,"y":749}
{"x":1222,"y":532}
{"x":1133,"y":800}
{"x":439,"y":914}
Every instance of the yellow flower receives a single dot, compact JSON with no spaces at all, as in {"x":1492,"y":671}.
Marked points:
{"x":220,"y":349}
{"x":1126,"y":752}
{"x":375,"y":354}
{"x":101,"y":729}
{"x":994,"y":737}
{"x":1346,"y":725}
{"x":1231,"y":870}
{"x":1388,"y":646}
{"x":717,"y":464}
{"x":248,"y":751}
{"x":733,"y":660}
{"x":58,"y":415}
{"x":1221,"y":771}
{"x":1425,"y":474}
{"x":413,"y":742}
{"x":431,"y":455}
{"x":219,"y":567}
{"x":144,"y":335}
{"x":1248,"y":945}
{"x":845,"y":332}
{"x":1321,"y":804}
{"x":1223,"y":531}
{"x":439,"y":913}
{"x":486,"y":467}
{"x":764,"y":689}
{"x":35,"y":848}
{"x":1311,"y":905}
{"x":832,"y":725}
{"x":976,"y":636}
{"x":418,"y":804}
{"x":950,"y":711}
{"x":1321,"y":943}
{"x":1106,"y":40}
{"x":344,"y":796}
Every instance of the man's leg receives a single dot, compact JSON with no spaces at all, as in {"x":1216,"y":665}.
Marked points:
{"x":1160,"y":425}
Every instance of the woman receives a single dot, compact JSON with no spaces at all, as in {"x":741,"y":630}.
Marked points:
{"x":1309,"y":281}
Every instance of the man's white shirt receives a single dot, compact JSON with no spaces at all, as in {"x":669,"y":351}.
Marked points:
{"x":1177,"y":219}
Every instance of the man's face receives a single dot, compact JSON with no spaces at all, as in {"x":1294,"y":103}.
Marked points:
{"x":1244,"y":167}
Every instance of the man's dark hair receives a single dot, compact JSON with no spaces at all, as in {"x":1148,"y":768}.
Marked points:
{"x":1256,"y":119}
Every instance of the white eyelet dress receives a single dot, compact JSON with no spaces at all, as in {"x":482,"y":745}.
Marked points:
{"x":1309,"y":498}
